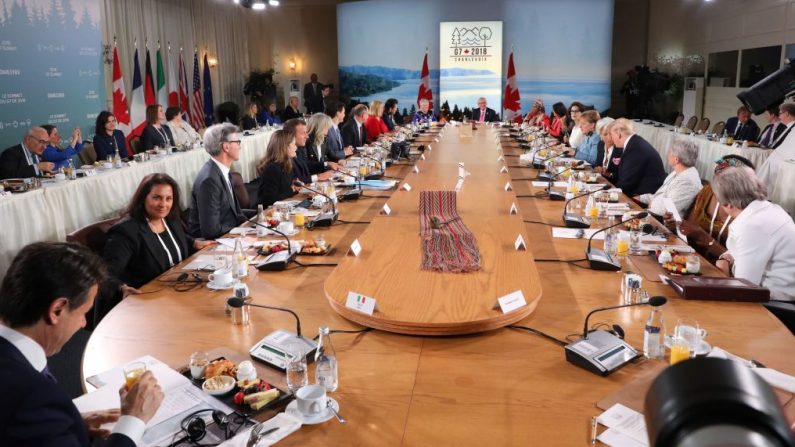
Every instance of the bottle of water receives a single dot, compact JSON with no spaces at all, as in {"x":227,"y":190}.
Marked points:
{"x":611,"y":237}
{"x":653,"y":335}
{"x":326,"y":361}
{"x":117,"y":159}
{"x":239,"y":261}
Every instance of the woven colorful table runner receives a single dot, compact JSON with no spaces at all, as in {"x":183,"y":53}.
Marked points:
{"x":447,"y":244}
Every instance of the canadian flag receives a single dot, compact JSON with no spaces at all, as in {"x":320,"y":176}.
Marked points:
{"x":120,"y":108}
{"x":184,"y":99}
{"x":173,"y":93}
{"x":138,"y":103}
{"x":512,"y":108}
{"x":425,"y":91}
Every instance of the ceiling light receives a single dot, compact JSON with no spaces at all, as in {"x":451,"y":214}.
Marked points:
{"x":273,"y":2}
{"x":237,"y":2}
{"x":258,"y":6}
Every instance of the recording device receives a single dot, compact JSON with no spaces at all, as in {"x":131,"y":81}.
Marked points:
{"x":352,"y":194}
{"x":575,"y":221}
{"x":277,"y":348}
{"x":769,"y":91}
{"x":601,"y":260}
{"x":714,"y":402}
{"x":278,"y":261}
{"x":322,"y":219}
{"x":601,"y":352}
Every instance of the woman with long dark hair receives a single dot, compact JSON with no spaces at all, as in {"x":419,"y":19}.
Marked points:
{"x":107,"y":138}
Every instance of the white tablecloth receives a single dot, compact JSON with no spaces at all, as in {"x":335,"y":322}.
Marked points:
{"x":49,"y":214}
{"x":784,"y":191}
{"x":708,"y":151}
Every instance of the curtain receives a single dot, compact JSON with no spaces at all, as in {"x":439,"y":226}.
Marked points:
{"x":218,"y":27}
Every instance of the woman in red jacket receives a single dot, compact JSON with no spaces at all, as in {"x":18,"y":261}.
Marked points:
{"x":557,"y":127}
{"x":375,"y":124}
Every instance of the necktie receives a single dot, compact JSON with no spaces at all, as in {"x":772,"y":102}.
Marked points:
{"x":46,"y":372}
{"x":738,"y":130}
{"x":482,"y":116}
{"x":766,"y":139}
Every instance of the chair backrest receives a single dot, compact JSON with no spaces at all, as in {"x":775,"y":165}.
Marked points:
{"x":135,"y":145}
{"x":94,"y":235}
{"x":678,"y":120}
{"x":691,"y":123}
{"x":717,"y":129}
{"x":88,"y":155}
{"x":703,"y":125}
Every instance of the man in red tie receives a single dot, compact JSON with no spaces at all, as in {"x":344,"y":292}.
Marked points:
{"x":483,"y":114}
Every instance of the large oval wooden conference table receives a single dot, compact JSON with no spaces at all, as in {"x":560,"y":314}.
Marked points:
{"x":496,"y":386}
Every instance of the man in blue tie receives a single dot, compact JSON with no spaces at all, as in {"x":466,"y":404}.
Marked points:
{"x":40,"y":310}
{"x":337,"y":149}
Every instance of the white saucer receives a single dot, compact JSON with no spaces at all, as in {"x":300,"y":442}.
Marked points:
{"x":292,"y":233}
{"x":323,"y":416}
{"x":214,"y":286}
{"x":703,"y":349}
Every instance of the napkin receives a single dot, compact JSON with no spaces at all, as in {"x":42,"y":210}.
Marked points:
{"x":287,"y":425}
{"x":771,"y":376}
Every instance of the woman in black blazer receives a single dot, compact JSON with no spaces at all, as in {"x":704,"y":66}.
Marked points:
{"x":148,"y":241}
{"x":156,"y":134}
{"x":276,"y":169}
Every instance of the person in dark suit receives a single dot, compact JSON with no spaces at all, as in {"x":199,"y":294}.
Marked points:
{"x":156,"y":134}
{"x":292,"y":110}
{"x":390,"y":115}
{"x":214,"y":208}
{"x":640,"y":170}
{"x":773,"y":130}
{"x":249,"y":120}
{"x":276,"y":169}
{"x":354,"y":132}
{"x":335,"y":145}
{"x":305,"y":169}
{"x":24,"y":160}
{"x":313,"y":95}
{"x":608,"y":154}
{"x":742,"y":127}
{"x":483,"y":114}
{"x":148,"y":241}
{"x":107,"y":139}
{"x":43,"y":301}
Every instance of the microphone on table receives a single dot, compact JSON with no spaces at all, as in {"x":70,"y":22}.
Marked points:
{"x":602,"y":352}
{"x":352,"y":194}
{"x":601,"y":260}
{"x":546,"y":175}
{"x":323,"y":219}
{"x":540,"y":164}
{"x":573,"y":220}
{"x":282,"y":337}
{"x":557,"y":195}
{"x":278,"y":261}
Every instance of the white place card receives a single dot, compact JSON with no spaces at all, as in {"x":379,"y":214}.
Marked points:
{"x":422,"y":156}
{"x":460,"y":164}
{"x":361,"y":303}
{"x":519,"y":244}
{"x":356,"y":247}
{"x":430,"y":148}
{"x":459,"y":184}
{"x":416,"y":169}
{"x":514,"y":209}
{"x":132,"y":163}
{"x":407,"y":187}
{"x":386,"y":209}
{"x":500,"y":158}
{"x":504,"y":170}
{"x":508,"y":187}
{"x":511,"y":301}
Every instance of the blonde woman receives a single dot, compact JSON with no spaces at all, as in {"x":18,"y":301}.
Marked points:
{"x":375,"y":123}
{"x":249,"y":120}
{"x":317,"y":145}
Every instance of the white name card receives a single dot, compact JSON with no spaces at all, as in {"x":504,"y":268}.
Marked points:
{"x":508,"y":187}
{"x":430,"y":148}
{"x":361,"y":303}
{"x":356,"y":247}
{"x":504,"y":170}
{"x":435,"y":140}
{"x":514,"y":210}
{"x":416,"y":169}
{"x":519,"y":244}
{"x":422,"y":156}
{"x":500,"y":158}
{"x":386,"y":209}
{"x":512,"y":301}
{"x":407,"y":187}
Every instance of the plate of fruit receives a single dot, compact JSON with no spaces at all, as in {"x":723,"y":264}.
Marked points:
{"x":635,"y":224}
{"x":674,"y":262}
{"x":313,"y":248}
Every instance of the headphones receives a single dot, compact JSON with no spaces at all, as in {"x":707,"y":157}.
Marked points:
{"x":195,"y":428}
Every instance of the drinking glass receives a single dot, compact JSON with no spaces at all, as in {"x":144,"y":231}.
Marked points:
{"x":198,"y":362}
{"x":635,"y":240}
{"x":240,"y":316}
{"x":693,"y":264}
{"x":132,"y":373}
{"x":622,"y":245}
{"x":686,"y":339}
{"x":297,"y":375}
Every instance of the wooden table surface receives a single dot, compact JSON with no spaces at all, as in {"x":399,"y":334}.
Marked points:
{"x":502,"y":387}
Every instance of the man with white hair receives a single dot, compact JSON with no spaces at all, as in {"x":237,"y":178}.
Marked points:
{"x":25,"y":159}
{"x":683,"y":183}
{"x":640,"y":170}
{"x":483,"y":114}
{"x":784,"y":148}
{"x":214,"y":209}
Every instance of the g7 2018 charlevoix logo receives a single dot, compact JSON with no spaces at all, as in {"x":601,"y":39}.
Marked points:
{"x":468,"y":42}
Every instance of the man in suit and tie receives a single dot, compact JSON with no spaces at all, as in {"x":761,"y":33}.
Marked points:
{"x":353,"y":131}
{"x":306,"y":169}
{"x":483,"y":114}
{"x":742,"y":127}
{"x":313,"y":95}
{"x":640,"y":170}
{"x":773,"y":130}
{"x":335,"y":146}
{"x":40,"y":310}
{"x":25,"y":160}
{"x":214,"y":208}
{"x":784,"y":148}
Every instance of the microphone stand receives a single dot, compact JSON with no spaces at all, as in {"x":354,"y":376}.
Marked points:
{"x":548,"y":175}
{"x":353,"y":194}
{"x":599,"y":259}
{"x":373,"y":177}
{"x":573,"y":220}
{"x":276,"y":262}
{"x":323,"y":219}
{"x":556,"y":195}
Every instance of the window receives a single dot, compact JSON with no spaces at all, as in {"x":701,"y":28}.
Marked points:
{"x":758,"y":63}
{"x":722,"y":69}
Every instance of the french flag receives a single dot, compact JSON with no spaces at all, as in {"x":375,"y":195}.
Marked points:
{"x":138,"y":106}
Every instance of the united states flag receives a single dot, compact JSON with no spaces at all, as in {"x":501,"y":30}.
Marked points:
{"x":197,"y":108}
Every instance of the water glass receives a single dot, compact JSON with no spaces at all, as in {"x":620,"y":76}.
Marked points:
{"x":622,"y":246}
{"x":132,"y":373}
{"x":297,"y":375}
{"x":687,"y":334}
{"x":693,"y":264}
{"x":240,"y":316}
{"x":635,"y":240}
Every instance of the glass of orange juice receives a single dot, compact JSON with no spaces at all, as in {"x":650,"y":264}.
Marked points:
{"x":680,"y":350}
{"x":132,"y":373}
{"x":299,"y":219}
{"x":622,"y":245}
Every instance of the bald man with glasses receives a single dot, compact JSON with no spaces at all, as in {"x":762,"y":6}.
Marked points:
{"x":25,"y":159}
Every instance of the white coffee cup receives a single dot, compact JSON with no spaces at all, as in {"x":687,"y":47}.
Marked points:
{"x":59,"y":177}
{"x":221,"y":277}
{"x":348,"y":180}
{"x":311,"y":399}
{"x":318,"y":201}
{"x":286,"y":227}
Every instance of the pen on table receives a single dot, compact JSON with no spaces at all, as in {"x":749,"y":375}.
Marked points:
{"x":593,"y":430}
